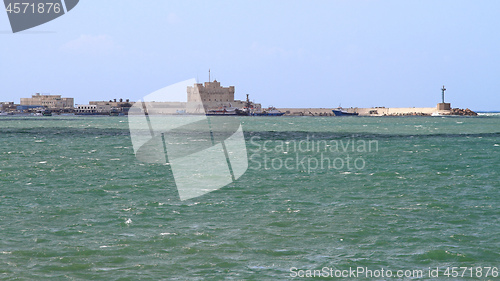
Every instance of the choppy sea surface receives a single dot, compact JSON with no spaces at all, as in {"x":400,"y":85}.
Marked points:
{"x":408,"y":193}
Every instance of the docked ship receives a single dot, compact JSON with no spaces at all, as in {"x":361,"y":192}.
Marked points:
{"x":226,"y":111}
{"x":114,"y":112}
{"x":342,"y":112}
{"x":271,"y":111}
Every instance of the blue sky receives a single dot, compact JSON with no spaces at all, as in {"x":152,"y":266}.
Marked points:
{"x":283,"y":53}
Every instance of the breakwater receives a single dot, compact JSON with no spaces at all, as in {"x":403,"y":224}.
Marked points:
{"x":379,"y":111}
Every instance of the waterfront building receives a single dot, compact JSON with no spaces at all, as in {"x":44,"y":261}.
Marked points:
{"x":92,"y":109}
{"x":120,"y":104}
{"x":7,"y":106}
{"x":113,"y":103}
{"x":54,"y":102}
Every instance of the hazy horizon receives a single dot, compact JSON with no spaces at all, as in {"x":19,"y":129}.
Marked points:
{"x":282,"y":53}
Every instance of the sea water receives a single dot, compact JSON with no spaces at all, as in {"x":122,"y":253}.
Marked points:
{"x":325,"y":195}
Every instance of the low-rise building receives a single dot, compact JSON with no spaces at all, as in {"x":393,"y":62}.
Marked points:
{"x":120,"y":105}
{"x":92,"y":109}
{"x":7,"y":106}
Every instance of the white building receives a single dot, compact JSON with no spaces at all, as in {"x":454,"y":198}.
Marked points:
{"x":92,"y":109}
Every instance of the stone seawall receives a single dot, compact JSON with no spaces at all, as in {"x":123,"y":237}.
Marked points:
{"x":376,"y":111}
{"x":307,"y":111}
{"x":396,"y":111}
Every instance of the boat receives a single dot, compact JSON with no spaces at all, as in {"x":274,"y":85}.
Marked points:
{"x":47,"y":112}
{"x":114,"y":112}
{"x":341,"y":112}
{"x":271,"y":111}
{"x":436,"y":114}
{"x":226,"y":111}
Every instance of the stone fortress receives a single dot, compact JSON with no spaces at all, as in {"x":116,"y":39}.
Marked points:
{"x":214,"y":96}
{"x":209,"y":95}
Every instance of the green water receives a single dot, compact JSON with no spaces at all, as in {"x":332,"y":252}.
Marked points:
{"x":77,"y":205}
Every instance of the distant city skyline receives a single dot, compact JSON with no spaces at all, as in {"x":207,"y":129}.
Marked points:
{"x":283,"y":53}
